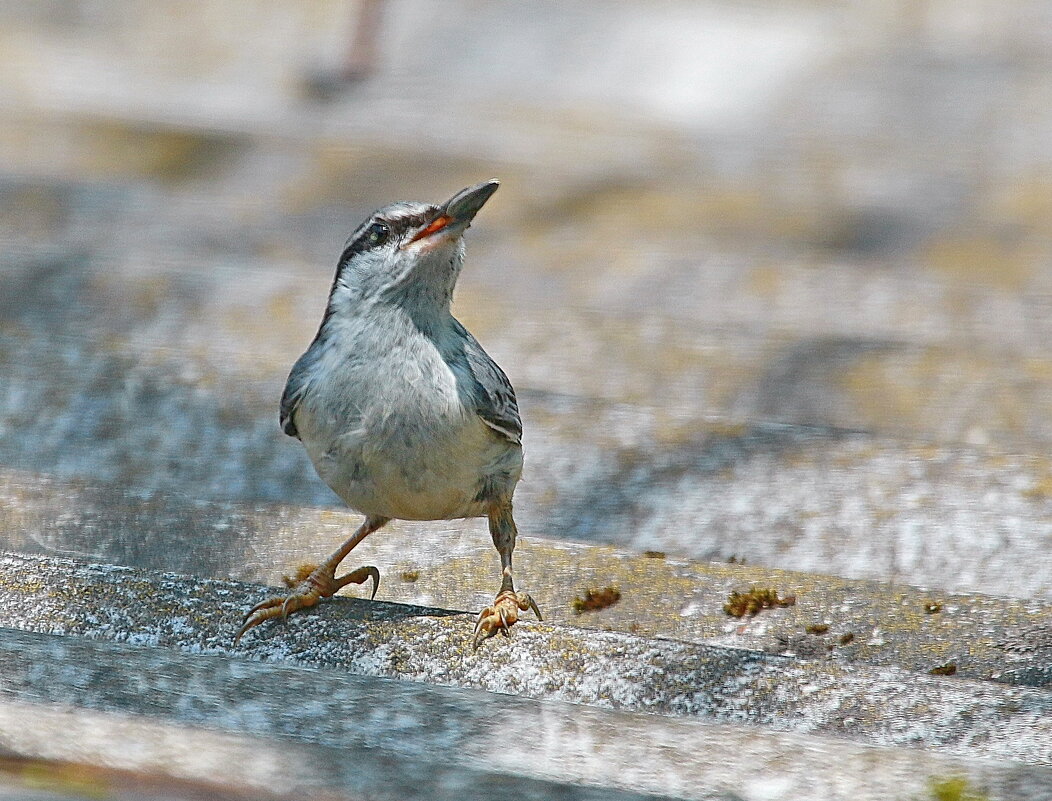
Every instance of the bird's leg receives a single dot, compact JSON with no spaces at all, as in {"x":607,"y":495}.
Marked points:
{"x":506,"y":606}
{"x":321,"y":582}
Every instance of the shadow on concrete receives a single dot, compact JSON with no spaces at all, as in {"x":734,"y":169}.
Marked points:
{"x":361,"y":609}
{"x":620,"y":498}
{"x":800,"y":385}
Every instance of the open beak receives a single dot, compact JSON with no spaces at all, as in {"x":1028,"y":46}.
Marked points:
{"x":457,"y":213}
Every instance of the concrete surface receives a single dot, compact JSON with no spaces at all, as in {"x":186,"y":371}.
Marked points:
{"x":985,"y":637}
{"x":283,"y":730}
{"x":542,"y":661}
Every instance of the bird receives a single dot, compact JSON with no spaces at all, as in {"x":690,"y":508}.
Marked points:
{"x":401,"y":411}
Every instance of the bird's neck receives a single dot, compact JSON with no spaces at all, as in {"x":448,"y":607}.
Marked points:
{"x":426,"y":302}
{"x":433,"y":320}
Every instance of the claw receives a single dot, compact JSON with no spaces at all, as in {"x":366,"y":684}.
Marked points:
{"x":240,"y":631}
{"x":285,"y":608}
{"x":256,"y":608}
{"x":502,"y":615}
{"x":251,"y":620}
{"x":319,"y":584}
{"x":532,"y":605}
{"x":359,"y":576}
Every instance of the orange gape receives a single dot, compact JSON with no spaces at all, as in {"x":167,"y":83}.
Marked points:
{"x":439,"y":223}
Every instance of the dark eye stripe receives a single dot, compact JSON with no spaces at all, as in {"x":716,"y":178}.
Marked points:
{"x":367,"y":237}
{"x":398,"y":222}
{"x":409,"y":222}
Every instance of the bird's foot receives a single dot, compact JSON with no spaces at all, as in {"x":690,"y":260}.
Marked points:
{"x":502,"y":615}
{"x":317,"y":584}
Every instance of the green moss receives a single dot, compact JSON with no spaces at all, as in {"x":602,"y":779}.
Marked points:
{"x":83,"y":781}
{"x":954,"y":789}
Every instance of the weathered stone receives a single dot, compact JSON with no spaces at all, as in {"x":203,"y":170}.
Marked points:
{"x":292,"y":731}
{"x":542,"y":661}
{"x":242,"y":729}
{"x":455,"y":567}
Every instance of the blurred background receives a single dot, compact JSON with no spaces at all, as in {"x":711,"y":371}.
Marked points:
{"x":773,"y":279}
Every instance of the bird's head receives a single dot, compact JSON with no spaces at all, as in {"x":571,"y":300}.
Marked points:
{"x":408,"y":253}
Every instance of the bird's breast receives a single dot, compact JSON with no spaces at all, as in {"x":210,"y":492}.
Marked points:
{"x":395,"y":436}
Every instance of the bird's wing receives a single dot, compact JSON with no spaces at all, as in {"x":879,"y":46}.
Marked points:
{"x":492,"y":391}
{"x":295,"y":388}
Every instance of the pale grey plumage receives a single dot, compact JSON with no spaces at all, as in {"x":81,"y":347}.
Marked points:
{"x":400,"y":409}
{"x":491,"y":391}
{"x":402,"y":412}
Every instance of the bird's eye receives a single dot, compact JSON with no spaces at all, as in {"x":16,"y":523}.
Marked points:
{"x":377,"y":234}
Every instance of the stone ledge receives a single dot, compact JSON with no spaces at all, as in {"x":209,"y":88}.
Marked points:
{"x":613,"y":670}
{"x":868,"y":622}
{"x":452,"y":565}
{"x":286,"y":730}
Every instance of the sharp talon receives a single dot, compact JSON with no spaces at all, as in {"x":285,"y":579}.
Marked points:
{"x":255,"y":616}
{"x":359,"y":576}
{"x":374,"y":574}
{"x":255,"y":609}
{"x":530,"y":604}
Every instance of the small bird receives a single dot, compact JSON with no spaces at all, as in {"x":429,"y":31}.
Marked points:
{"x":402,"y":412}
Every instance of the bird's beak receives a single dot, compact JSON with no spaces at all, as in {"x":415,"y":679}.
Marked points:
{"x":457,"y":213}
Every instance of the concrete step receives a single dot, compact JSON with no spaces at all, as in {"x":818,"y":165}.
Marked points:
{"x":168,"y":725}
{"x":237,"y":728}
{"x":832,"y":620}
{"x":454,"y":566}
{"x":329,"y":678}
{"x":544,"y":661}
